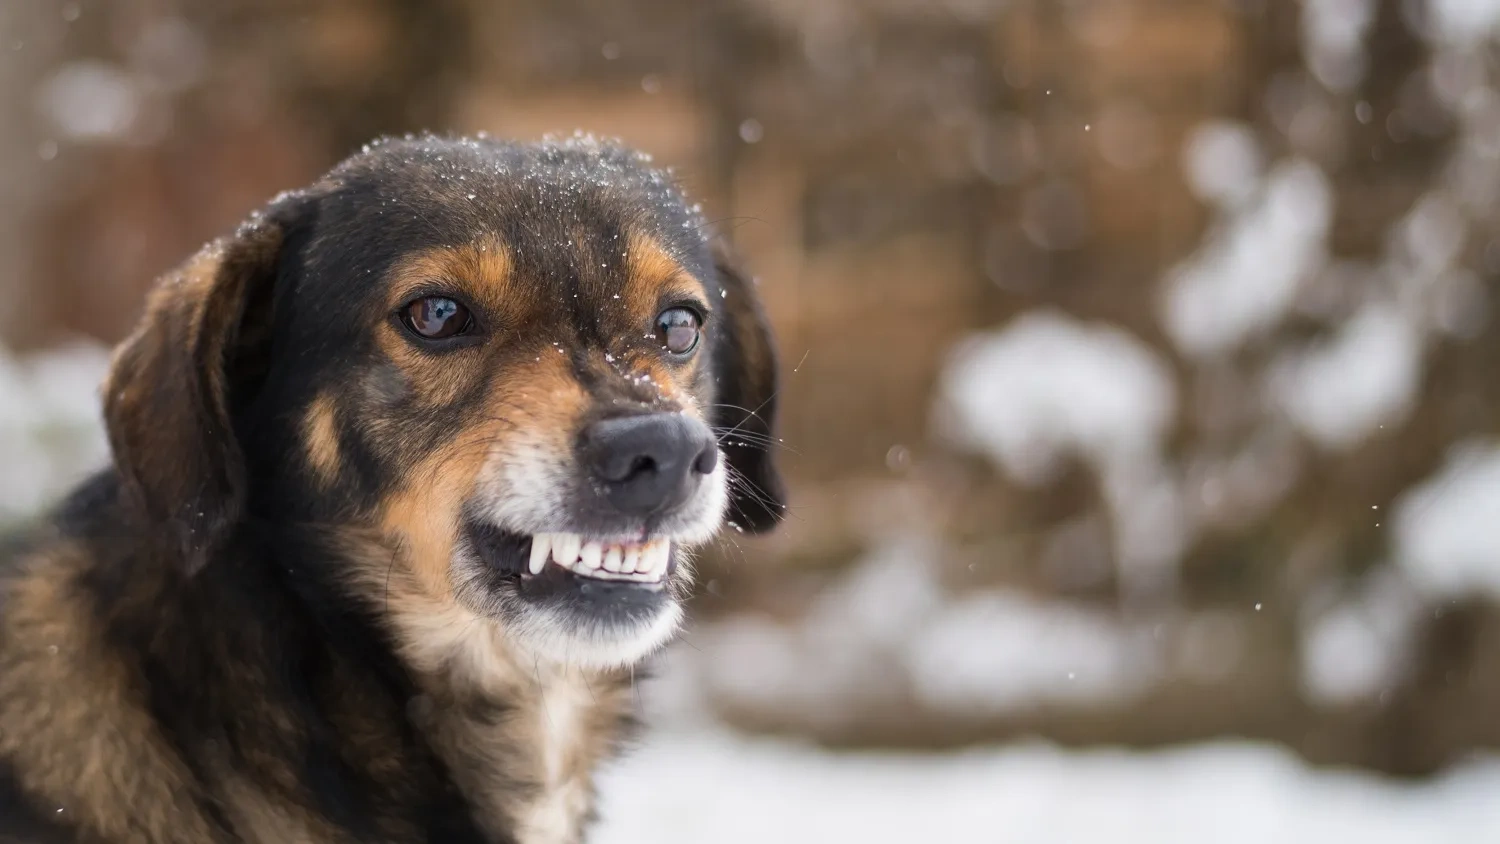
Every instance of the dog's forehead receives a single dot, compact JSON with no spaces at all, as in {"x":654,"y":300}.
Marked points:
{"x":551,"y":204}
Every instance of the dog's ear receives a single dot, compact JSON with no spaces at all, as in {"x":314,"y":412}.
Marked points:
{"x":744,"y":418}
{"x":168,"y":397}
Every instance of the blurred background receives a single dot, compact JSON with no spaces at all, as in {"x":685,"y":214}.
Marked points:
{"x":1141,"y":374}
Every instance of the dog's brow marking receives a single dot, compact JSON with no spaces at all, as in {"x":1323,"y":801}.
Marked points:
{"x":482,"y":270}
{"x":649,"y":262}
{"x":651,"y":271}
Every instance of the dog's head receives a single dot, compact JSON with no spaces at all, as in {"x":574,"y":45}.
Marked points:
{"x":525,"y":368}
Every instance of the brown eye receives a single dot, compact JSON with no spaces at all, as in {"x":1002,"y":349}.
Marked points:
{"x":679,"y":330}
{"x":436,"y":318}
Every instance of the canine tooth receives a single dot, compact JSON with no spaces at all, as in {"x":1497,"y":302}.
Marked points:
{"x":612,"y":559}
{"x":565,"y":548}
{"x":632,"y":561}
{"x":541,"y":544}
{"x":591,"y":554}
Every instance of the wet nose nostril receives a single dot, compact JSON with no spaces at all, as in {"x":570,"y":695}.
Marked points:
{"x":641,"y":465}
{"x":648,"y":463}
{"x":707,"y":461}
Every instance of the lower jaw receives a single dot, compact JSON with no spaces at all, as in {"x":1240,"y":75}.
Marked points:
{"x":601,"y":625}
{"x":595,"y":613}
{"x":594,"y":618}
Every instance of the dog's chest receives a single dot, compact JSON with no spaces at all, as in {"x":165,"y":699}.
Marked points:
{"x":522,"y":748}
{"x":555,"y":813}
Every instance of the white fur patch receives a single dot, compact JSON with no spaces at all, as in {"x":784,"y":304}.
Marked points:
{"x":553,"y":818}
{"x":468,"y":651}
{"x":557,"y":639}
{"x":455,"y":641}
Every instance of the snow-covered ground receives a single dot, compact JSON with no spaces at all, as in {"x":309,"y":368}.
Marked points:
{"x":713,"y":786}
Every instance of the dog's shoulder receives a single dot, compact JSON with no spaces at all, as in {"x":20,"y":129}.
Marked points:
{"x":243,"y":701}
{"x":78,"y":744}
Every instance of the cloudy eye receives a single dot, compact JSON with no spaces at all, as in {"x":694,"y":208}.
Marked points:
{"x":436,"y":318}
{"x":679,"y":330}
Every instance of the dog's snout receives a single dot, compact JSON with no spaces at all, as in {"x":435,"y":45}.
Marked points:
{"x":650,"y":463}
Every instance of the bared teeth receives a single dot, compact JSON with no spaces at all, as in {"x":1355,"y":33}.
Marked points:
{"x":656,"y":556}
{"x":592,"y":554}
{"x":541,"y":545}
{"x":635,"y":562}
{"x":565,"y":548}
{"x":612,"y":557}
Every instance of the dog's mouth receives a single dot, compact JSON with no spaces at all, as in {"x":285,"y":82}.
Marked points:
{"x":574,"y":598}
{"x":647,"y":562}
{"x":581,"y":587}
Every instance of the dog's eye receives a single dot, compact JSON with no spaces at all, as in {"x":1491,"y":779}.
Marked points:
{"x":436,"y":318}
{"x":679,"y":330}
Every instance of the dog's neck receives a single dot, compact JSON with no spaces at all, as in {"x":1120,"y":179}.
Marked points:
{"x":518,"y":736}
{"x":521,"y":736}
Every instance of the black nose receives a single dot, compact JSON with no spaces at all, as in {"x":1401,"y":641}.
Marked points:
{"x":648,"y":464}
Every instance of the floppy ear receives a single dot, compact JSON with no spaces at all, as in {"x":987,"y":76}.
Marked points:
{"x":167,"y":399}
{"x":745,"y":374}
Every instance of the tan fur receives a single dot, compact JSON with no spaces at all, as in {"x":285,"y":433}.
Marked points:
{"x":650,"y":271}
{"x":423,"y":517}
{"x":559,"y":722}
{"x":321,"y":433}
{"x":529,"y":765}
{"x":481,"y":270}
{"x":423,"y":524}
{"x":548,"y":397}
{"x":654,"y":275}
{"x":58,"y":684}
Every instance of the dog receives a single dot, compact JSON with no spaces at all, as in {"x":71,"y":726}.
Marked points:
{"x":406,"y":475}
